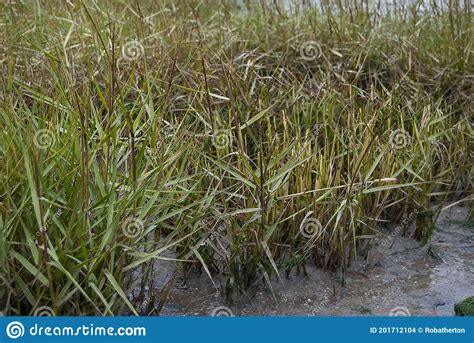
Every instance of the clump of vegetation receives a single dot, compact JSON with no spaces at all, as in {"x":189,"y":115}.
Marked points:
{"x":465,"y":308}
{"x":222,"y":139}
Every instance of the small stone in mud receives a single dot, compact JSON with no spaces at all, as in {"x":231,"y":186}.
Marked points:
{"x":465,"y":308}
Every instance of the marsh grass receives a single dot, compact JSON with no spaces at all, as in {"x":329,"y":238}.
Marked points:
{"x":131,"y":129}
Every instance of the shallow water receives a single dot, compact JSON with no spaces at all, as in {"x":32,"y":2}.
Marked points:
{"x":382,"y":6}
{"x":402,"y":278}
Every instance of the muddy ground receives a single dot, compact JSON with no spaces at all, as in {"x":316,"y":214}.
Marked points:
{"x":400,"y":278}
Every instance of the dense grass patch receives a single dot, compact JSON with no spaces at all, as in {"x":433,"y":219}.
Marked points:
{"x":240,"y":140}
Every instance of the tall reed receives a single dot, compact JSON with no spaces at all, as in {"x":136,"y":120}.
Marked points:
{"x":238,"y":141}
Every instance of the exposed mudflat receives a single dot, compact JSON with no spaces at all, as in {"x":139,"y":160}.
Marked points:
{"x":402,"y":277}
